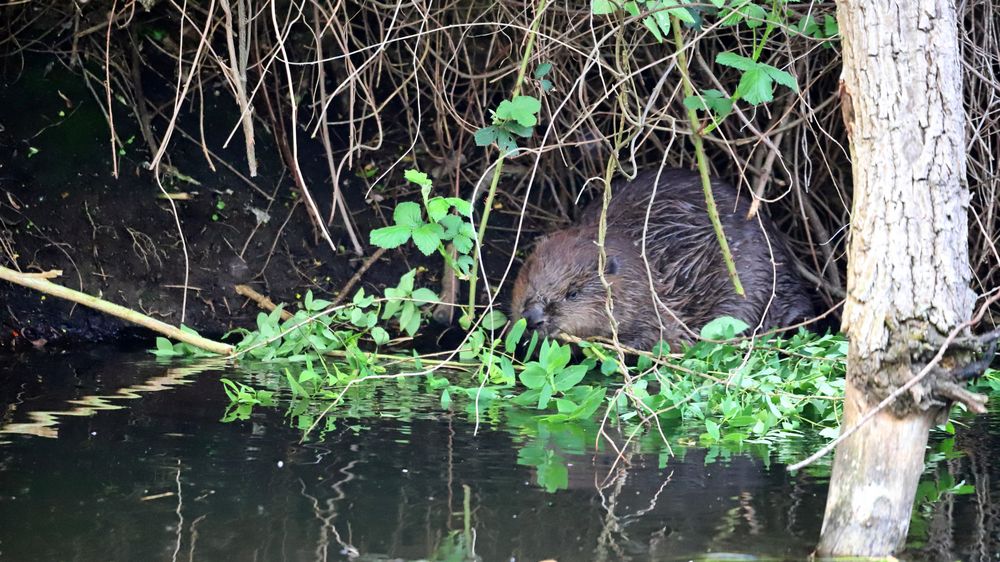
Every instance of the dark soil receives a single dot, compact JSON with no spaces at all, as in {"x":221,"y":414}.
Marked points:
{"x":61,"y":208}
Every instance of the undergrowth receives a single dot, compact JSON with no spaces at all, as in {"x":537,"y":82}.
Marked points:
{"x":738,"y":390}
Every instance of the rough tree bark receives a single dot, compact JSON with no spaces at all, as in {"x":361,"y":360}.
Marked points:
{"x":908,"y":272}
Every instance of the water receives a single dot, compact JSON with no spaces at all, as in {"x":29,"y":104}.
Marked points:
{"x":137,"y":466}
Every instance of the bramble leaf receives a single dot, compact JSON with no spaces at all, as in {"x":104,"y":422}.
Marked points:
{"x":735,"y":61}
{"x":427,"y":237}
{"x":781,"y":77}
{"x":390,"y":236}
{"x":522,"y":109}
{"x":463,"y":207}
{"x":486,"y":136}
{"x":755,"y":87}
{"x":408,"y":214}
{"x":437,"y":208}
{"x":710,"y":100}
{"x":418,"y":177}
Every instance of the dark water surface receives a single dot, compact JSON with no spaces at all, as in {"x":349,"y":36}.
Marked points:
{"x":137,"y":466}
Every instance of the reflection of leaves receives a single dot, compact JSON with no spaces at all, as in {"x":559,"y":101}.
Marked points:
{"x":550,"y":468}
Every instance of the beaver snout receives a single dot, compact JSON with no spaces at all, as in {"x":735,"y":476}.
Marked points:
{"x":534,"y":315}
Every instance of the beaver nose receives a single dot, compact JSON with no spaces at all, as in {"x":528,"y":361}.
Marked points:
{"x":534,"y":316}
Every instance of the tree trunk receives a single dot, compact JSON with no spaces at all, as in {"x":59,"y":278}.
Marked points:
{"x":908,"y":270}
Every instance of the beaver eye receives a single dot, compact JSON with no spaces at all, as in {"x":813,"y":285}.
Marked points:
{"x":572,"y":295}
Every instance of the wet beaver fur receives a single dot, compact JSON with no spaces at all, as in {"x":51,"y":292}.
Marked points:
{"x":558,"y":289}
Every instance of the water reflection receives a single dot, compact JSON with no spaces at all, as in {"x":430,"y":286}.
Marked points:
{"x":392,"y":478}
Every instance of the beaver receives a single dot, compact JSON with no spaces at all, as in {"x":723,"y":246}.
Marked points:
{"x":558,"y":289}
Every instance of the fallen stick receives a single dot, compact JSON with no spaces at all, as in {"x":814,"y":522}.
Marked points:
{"x":39,"y":283}
{"x":262,"y":301}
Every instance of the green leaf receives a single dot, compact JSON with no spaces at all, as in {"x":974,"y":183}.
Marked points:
{"x":603,"y":7}
{"x":723,"y":328}
{"x":653,"y":27}
{"x":781,"y":77}
{"x":522,"y":109}
{"x":749,"y":13}
{"x":463,"y":207}
{"x":713,"y":429}
{"x":362,"y":301}
{"x":710,"y":100}
{"x":486,"y":136}
{"x":494,"y":320}
{"x":293,"y":383}
{"x":413,"y":326}
{"x":427,"y":237}
{"x":379,"y":335}
{"x":437,"y":208}
{"x":735,"y":61}
{"x":408,"y":213}
{"x":418,"y":177}
{"x":555,"y":357}
{"x":543,"y":69}
{"x":681,"y":13}
{"x":424,"y":295}
{"x":808,"y":26}
{"x":405,"y":285}
{"x":546,"y":84}
{"x":445,"y":399}
{"x":755,"y":87}
{"x":544,"y":395}
{"x":514,"y":335}
{"x":830,"y":26}
{"x":569,"y":377}
{"x":609,"y":366}
{"x":516,"y":128}
{"x":389,"y":237}
{"x":506,"y":142}
{"x":533,"y":376}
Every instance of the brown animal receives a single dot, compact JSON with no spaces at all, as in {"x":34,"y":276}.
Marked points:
{"x":558,"y":290}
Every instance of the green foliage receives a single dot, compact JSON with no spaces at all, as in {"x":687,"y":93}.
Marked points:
{"x":540,"y":73}
{"x":166,"y":349}
{"x":660,"y":11}
{"x":757,"y":79}
{"x":403,"y":302}
{"x":809,"y":27}
{"x":712,"y":101}
{"x":515,"y":117}
{"x":757,"y":82}
{"x":431,"y":233}
{"x":242,"y":399}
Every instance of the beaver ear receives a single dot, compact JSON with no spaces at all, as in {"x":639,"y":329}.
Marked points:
{"x":612,"y":265}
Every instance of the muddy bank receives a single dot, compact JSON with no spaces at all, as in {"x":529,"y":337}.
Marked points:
{"x":61,"y":208}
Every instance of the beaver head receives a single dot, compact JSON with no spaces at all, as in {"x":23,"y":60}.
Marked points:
{"x":558,"y":290}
